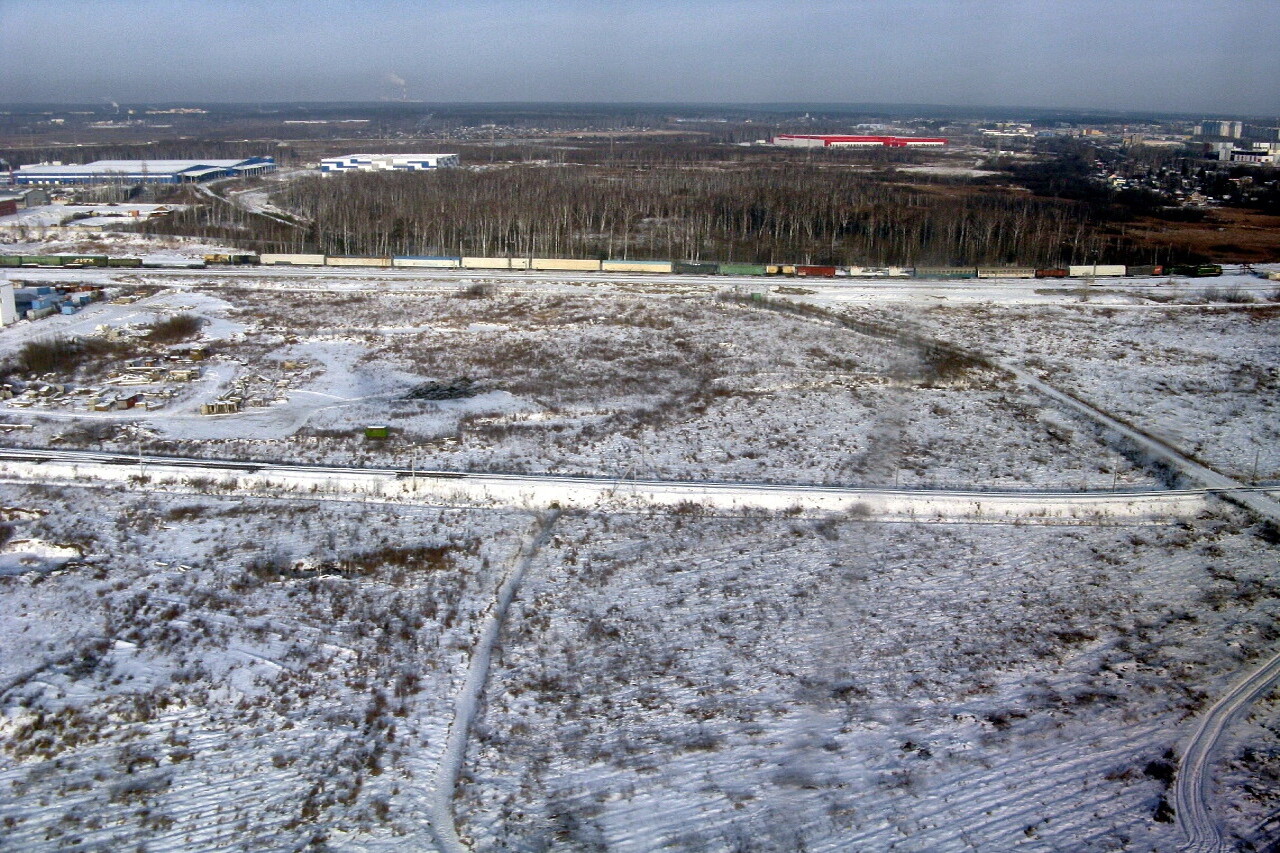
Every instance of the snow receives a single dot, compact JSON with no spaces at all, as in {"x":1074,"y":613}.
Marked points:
{"x":25,"y":556}
{"x":620,"y":385}
{"x":123,"y":244}
{"x":825,"y":686}
{"x":1202,"y":379}
{"x":38,"y":217}
{"x":947,"y":171}
{"x":747,"y":629}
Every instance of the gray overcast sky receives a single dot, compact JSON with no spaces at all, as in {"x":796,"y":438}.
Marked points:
{"x":1215,"y":56}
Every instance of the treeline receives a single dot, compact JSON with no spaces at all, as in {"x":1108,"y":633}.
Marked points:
{"x":670,"y":150}
{"x":212,"y":218}
{"x":794,"y":212}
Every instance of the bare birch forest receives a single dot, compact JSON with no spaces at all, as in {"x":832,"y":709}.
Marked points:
{"x":793,"y":212}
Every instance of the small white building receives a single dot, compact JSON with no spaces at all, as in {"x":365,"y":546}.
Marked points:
{"x":8,"y":306}
{"x":389,"y":162}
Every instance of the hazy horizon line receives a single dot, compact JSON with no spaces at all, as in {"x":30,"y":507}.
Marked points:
{"x":863,"y":106}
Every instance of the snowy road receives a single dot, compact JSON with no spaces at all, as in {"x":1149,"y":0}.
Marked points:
{"x":1192,"y":789}
{"x":532,"y":491}
{"x":443,"y":825}
{"x":842,"y":290}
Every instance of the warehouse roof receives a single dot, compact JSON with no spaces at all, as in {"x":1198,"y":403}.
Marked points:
{"x":132,"y":166}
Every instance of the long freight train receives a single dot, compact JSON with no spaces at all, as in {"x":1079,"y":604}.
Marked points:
{"x":585,"y":265}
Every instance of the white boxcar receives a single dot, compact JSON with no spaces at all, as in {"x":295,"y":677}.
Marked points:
{"x":443,"y":262}
{"x":301,"y":260}
{"x":1084,"y":270}
{"x":357,"y":262}
{"x":635,"y":266}
{"x":486,"y":263}
{"x":866,"y":272}
{"x":565,"y":264}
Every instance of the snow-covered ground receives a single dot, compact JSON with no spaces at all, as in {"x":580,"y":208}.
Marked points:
{"x":231,"y":674}
{"x":12,"y":241}
{"x":1207,"y":380}
{"x":193,"y":663}
{"x":603,"y":383}
{"x":703,"y":684}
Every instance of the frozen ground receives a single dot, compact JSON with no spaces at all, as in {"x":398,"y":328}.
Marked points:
{"x":235,"y":674}
{"x":598,"y":382}
{"x":13,"y":242}
{"x":699,"y":684}
{"x":1205,"y":379}
{"x":226,"y":670}
{"x":240,"y":673}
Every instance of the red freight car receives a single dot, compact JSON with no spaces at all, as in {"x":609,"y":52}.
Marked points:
{"x":816,"y":272}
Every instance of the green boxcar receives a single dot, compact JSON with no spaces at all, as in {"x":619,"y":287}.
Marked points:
{"x":42,"y":260}
{"x":10,"y":260}
{"x":946,"y":272}
{"x":742,"y":269}
{"x":124,"y":262}
{"x":1204,"y":270}
{"x":84,"y":260}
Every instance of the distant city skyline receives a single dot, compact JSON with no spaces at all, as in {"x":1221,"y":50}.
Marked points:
{"x":1170,"y":56}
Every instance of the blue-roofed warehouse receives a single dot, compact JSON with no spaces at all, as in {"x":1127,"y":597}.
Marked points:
{"x":142,"y":171}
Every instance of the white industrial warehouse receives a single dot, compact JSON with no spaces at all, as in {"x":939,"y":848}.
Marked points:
{"x":141,"y":171}
{"x":389,"y":162}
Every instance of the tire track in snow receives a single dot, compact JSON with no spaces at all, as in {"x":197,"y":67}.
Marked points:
{"x":440,"y":810}
{"x":1193,"y":782}
{"x":1191,"y":790}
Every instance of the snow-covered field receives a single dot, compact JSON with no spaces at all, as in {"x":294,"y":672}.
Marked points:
{"x":26,"y":234}
{"x":1205,"y":379}
{"x":194,"y":664}
{"x":703,"y":684}
{"x":598,"y":382}
{"x":235,"y":674}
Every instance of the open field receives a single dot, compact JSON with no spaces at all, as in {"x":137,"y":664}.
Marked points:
{"x":590,"y":380}
{"x":1205,"y":379}
{"x":205,"y":661}
{"x":795,"y":686}
{"x":1242,"y":235}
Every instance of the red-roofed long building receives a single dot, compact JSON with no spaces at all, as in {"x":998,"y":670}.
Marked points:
{"x":800,"y":140}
